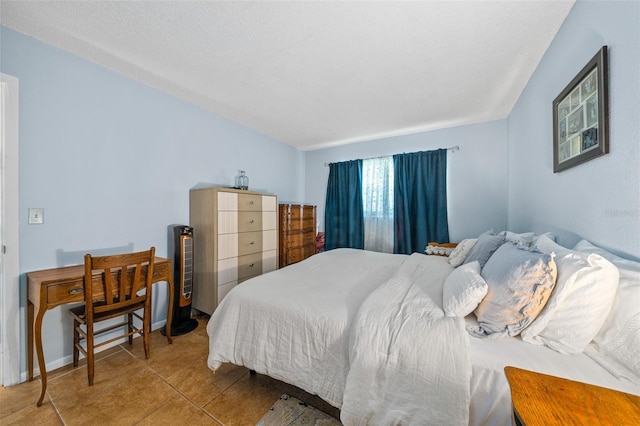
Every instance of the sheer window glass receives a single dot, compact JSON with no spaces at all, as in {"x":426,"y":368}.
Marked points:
{"x":377,"y":198}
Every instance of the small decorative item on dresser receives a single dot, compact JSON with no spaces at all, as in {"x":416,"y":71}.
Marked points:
{"x":242,"y":180}
{"x":319,"y":242}
{"x":439,"y":249}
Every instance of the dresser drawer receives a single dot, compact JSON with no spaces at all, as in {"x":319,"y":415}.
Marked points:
{"x":249,"y":242}
{"x":297,"y":225}
{"x":294,"y":255}
{"x":308,"y":213}
{"x":227,"y":201}
{"x":292,"y":240}
{"x":297,"y":254}
{"x":309,"y":250}
{"x":250,"y":202}
{"x":298,"y":212}
{"x":298,"y":239}
{"x":249,"y":266}
{"x":249,"y":221}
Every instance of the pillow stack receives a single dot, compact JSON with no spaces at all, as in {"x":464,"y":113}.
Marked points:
{"x":581,"y":300}
{"x":501,"y":279}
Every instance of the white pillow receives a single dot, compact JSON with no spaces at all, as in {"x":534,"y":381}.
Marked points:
{"x":459,"y":254}
{"x":580,"y":302}
{"x":525,"y":238}
{"x":549,"y":235}
{"x":520,"y":282}
{"x":484,"y":248}
{"x":463,"y":290}
{"x":617,"y":345}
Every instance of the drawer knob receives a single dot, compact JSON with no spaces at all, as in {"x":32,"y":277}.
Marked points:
{"x":251,"y":221}
{"x":251,"y":202}
{"x":251,"y":266}
{"x":252,"y":242}
{"x":76,"y":290}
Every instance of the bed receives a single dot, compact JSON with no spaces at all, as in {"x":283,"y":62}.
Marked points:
{"x":370,"y":334}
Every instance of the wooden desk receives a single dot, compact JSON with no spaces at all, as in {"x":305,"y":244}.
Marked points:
{"x":539,"y":399}
{"x":49,"y":288}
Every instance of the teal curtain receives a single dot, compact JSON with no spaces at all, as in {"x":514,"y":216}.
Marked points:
{"x":420,"y":200}
{"x":343,"y":215}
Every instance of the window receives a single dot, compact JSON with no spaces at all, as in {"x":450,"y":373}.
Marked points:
{"x":377,"y":199}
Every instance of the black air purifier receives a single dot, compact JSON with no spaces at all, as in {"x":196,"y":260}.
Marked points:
{"x":181,"y":245}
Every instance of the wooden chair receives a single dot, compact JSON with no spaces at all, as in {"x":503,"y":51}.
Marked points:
{"x":113,"y":286}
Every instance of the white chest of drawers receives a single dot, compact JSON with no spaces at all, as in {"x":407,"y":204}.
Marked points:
{"x":235,"y":238}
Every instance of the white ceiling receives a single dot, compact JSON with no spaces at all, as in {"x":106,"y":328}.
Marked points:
{"x":313,"y":74}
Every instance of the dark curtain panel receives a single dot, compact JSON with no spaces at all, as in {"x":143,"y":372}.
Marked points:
{"x":343,"y":214}
{"x":420,"y":200}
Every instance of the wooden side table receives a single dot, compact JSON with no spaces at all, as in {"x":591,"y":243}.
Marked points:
{"x":539,"y":399}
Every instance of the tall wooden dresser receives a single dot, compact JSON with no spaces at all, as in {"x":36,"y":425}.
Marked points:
{"x":235,"y":236}
{"x":297,"y":232}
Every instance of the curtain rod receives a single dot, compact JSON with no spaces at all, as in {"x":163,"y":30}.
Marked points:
{"x":453,"y":149}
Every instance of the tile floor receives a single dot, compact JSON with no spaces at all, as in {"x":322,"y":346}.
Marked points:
{"x":173,"y":386}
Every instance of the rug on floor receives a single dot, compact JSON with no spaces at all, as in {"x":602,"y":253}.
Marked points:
{"x":289,"y":411}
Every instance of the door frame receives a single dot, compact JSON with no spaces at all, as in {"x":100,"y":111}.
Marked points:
{"x":9,"y":232}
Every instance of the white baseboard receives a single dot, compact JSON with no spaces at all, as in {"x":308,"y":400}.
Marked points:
{"x":68,"y":359}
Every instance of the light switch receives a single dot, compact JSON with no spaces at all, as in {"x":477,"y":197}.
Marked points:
{"x":36,"y":216}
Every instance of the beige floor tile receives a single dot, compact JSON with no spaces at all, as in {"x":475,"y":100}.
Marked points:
{"x":17,"y":398}
{"x":183,"y":353}
{"x":201,"y":384}
{"x":246,"y":401}
{"x":167,"y":358}
{"x":82,"y":364}
{"x":178,"y":411}
{"x":156,"y":342}
{"x":125,"y":403}
{"x":32,"y":415}
{"x":67,"y":389}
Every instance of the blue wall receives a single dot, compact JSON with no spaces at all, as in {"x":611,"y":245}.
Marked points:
{"x":112,"y":161}
{"x":600,"y":199}
{"x":476,"y":174}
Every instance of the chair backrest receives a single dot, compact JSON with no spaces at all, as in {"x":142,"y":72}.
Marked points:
{"x":113,"y":282}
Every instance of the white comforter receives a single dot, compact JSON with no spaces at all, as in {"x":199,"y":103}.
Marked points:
{"x":293,"y":324}
{"x":365,"y":331}
{"x":409,"y":364}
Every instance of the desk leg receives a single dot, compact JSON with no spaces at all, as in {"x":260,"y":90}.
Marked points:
{"x":30,"y":338}
{"x":38,"y":342}
{"x":169,"y":311}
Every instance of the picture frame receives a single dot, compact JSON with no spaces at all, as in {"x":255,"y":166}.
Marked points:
{"x":581,"y":116}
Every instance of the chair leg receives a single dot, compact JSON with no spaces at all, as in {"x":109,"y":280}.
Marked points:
{"x":146,"y":328}
{"x":130,"y":324}
{"x":90,"y":353}
{"x":76,"y":341}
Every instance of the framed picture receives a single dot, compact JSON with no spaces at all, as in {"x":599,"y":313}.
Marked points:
{"x":580,"y":116}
